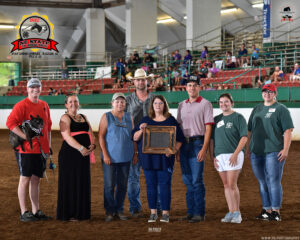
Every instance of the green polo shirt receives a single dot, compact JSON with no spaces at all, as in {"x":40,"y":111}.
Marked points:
{"x":227,"y":132}
{"x":267,"y":125}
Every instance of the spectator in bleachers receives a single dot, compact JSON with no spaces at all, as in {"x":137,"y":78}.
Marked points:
{"x":242,"y":56}
{"x":59,"y":92}
{"x":213,"y":71}
{"x":277,"y":75}
{"x":203,"y":71}
{"x":207,"y":62}
{"x":185,"y":78}
{"x":128,"y":74}
{"x":51,"y":92}
{"x":177,"y":58}
{"x":148,"y":59}
{"x":120,"y":67}
{"x":175,"y":76}
{"x":64,"y":70}
{"x":296,"y":73}
{"x":230,"y":60}
{"x":137,"y":59}
{"x":78,"y":89}
{"x":159,"y":84}
{"x":254,"y":55}
{"x":187,"y":58}
{"x":204,"y":53}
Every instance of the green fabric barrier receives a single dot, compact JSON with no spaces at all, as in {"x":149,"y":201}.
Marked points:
{"x":242,"y":98}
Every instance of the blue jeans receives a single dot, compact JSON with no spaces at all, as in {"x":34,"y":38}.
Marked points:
{"x":115,"y":177}
{"x":268,"y":171}
{"x":158,"y":186}
{"x":134,"y":188}
{"x":192,"y":176}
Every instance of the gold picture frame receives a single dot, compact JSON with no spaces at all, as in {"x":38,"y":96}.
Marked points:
{"x":159,"y":139}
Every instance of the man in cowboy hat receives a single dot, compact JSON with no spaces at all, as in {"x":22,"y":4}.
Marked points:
{"x":138,"y":104}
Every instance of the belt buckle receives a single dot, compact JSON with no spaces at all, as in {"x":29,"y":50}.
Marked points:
{"x":187,"y":140}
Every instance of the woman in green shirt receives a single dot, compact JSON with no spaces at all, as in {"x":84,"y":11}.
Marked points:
{"x":270,"y":129}
{"x":226,"y":149}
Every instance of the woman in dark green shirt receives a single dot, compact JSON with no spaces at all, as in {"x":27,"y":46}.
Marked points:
{"x":270,"y":127}
{"x":229,"y":137}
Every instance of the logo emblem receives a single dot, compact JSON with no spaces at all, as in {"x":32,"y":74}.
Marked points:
{"x":35,"y":31}
{"x":286,"y":14}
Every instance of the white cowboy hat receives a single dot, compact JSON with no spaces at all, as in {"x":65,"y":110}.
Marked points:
{"x":140,"y":73}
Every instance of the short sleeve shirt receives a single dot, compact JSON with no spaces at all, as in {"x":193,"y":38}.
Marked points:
{"x":267,"y":125}
{"x":21,"y":112}
{"x":137,"y":108}
{"x":193,"y":117}
{"x":227,"y":132}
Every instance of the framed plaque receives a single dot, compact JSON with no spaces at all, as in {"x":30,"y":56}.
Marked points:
{"x":159,"y":139}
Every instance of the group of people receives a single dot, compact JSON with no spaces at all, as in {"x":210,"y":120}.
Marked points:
{"x":121,"y":140}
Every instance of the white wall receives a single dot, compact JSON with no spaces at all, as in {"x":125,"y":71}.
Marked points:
{"x":94,"y":116}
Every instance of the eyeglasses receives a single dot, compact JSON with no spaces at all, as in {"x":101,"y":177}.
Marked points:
{"x":268,"y":92}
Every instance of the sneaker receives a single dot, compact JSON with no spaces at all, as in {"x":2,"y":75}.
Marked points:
{"x":186,"y":218}
{"x":264,"y":215}
{"x":109,"y":218}
{"x":28,"y":217}
{"x":122,"y":217}
{"x":41,"y":216}
{"x":236,"y":217}
{"x":152,"y":218}
{"x":197,"y":218}
{"x":227,"y":217}
{"x":275,"y":216}
{"x":165,"y":218}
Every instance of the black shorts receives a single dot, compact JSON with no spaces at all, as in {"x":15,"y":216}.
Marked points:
{"x":31,"y":164}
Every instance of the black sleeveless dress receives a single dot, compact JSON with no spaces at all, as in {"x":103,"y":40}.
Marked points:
{"x":74,"y":185}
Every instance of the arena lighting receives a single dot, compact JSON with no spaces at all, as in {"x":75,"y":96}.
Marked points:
{"x":258,"y":5}
{"x":2,"y":26}
{"x":228,"y":10}
{"x":166,"y":20}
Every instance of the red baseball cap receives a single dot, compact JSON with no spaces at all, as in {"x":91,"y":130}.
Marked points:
{"x":269,"y":87}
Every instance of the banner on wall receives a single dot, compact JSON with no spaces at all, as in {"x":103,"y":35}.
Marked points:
{"x":267,"y":21}
{"x":103,"y":72}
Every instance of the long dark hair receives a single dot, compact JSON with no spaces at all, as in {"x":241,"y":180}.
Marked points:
{"x":166,"y":107}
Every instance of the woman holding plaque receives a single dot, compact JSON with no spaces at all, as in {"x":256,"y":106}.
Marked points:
{"x":158,"y":168}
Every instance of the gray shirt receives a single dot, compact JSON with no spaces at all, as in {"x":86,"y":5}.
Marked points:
{"x":137,"y":108}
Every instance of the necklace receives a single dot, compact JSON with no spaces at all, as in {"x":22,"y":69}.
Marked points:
{"x":76,"y":117}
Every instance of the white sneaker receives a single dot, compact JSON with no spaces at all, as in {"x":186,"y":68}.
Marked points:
{"x":227,"y":217}
{"x":236,"y":217}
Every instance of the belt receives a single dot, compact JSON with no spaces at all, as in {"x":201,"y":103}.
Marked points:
{"x":194,"y":138}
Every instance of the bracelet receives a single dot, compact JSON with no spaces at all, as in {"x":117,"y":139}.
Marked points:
{"x":81,"y":148}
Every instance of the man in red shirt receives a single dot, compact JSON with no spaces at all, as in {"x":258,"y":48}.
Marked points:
{"x":31,"y":162}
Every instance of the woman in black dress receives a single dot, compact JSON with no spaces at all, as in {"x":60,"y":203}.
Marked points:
{"x":74,"y":187}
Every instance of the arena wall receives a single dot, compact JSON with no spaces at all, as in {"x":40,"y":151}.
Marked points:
{"x":94,"y":116}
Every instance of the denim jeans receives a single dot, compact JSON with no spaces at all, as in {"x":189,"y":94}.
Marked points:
{"x":268,"y":171}
{"x":134,"y":188}
{"x":192,"y":176}
{"x":157,"y":180}
{"x":115,"y":186}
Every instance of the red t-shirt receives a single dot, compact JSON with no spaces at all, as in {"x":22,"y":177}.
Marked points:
{"x":21,"y":112}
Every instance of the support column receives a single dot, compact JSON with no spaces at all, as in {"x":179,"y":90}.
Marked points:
{"x":141,"y":27}
{"x":203,"y":23}
{"x":95,"y":35}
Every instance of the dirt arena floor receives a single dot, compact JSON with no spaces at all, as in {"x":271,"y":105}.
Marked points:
{"x":96,"y":228}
